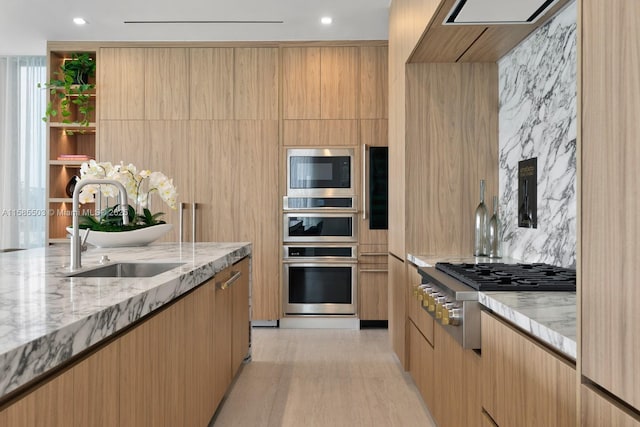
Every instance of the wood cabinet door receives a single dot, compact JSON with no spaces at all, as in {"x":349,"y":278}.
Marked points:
{"x":257,"y":172}
{"x":222,"y":334}
{"x":339,"y":86}
{"x":421,"y":365}
{"x":524,"y":384}
{"x":121,"y":85}
{"x":211,"y":83}
{"x":372,"y":292}
{"x":610,"y":154}
{"x":200,"y":362}
{"x":599,"y":411}
{"x":397,"y":308}
{"x":152,"y":371}
{"x":300,"y":83}
{"x":423,"y":321}
{"x":320,"y":133}
{"x":256,"y":83}
{"x":241,"y":324}
{"x":95,"y":388}
{"x":456,"y":374}
{"x":374,"y":84}
{"x":49,"y":405}
{"x":166,"y":84}
{"x":169,"y":150}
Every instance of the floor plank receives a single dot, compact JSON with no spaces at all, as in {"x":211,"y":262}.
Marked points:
{"x":319,"y":377}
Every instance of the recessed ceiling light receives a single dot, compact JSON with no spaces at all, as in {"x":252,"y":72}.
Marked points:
{"x":79,"y":21}
{"x":326,"y":20}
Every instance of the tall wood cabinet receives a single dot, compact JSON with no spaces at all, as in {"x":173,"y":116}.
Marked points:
{"x":610,"y":235}
{"x":208,"y":118}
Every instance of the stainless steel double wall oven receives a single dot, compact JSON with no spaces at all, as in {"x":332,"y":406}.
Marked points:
{"x":320,"y":233}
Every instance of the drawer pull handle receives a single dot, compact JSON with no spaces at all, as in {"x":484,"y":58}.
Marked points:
{"x":374,"y":254}
{"x":235,"y":275}
{"x":374,"y":270}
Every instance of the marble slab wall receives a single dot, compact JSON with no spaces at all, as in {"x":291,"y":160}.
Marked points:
{"x":537,"y":118}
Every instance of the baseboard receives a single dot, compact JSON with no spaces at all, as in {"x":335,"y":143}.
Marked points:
{"x":319,"y":322}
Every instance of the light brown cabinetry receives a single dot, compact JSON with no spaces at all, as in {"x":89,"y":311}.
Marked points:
{"x":320,"y":133}
{"x":256,"y":83}
{"x":456,"y":376}
{"x":96,"y":388}
{"x":610,"y":154}
{"x":211,"y":83}
{"x":339,"y":88}
{"x":421,"y":365}
{"x":231,"y":325}
{"x":598,"y":411}
{"x":48,"y":405}
{"x":238,"y":199}
{"x":166,"y":87}
{"x":320,"y":82}
{"x":372,"y":283}
{"x":152,"y":370}
{"x":374,"y":82}
{"x":524,"y":383}
{"x":397,"y":308}
{"x":201,"y":360}
{"x":121,"y":85}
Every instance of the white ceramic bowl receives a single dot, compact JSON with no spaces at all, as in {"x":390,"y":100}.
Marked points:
{"x":115,"y":239}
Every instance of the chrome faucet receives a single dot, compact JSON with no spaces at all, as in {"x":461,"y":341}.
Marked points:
{"x":76,"y":244}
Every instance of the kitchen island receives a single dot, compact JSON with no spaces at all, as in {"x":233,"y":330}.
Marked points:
{"x":50,"y":321}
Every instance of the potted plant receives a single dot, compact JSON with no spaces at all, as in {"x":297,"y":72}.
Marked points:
{"x":71,"y":87}
{"x":107,"y":229}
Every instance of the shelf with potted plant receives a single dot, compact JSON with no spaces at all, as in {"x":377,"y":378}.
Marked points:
{"x":71,"y":123}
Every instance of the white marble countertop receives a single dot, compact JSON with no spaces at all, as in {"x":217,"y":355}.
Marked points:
{"x":431,"y":260}
{"x":47,"y":318}
{"x":548,"y":316}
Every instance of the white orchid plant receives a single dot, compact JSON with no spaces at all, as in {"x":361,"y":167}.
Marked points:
{"x":139,"y":186}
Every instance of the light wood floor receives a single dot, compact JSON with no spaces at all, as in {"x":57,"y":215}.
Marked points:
{"x":317,"y":377}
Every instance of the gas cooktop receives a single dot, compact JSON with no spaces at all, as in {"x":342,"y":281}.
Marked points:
{"x":512,"y":277}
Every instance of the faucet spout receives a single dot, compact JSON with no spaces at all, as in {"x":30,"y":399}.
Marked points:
{"x":76,"y":243}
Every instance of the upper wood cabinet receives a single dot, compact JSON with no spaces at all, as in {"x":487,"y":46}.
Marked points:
{"x":121,"y":84}
{"x":339,"y":82}
{"x":334,"y":82}
{"x":211,"y":83}
{"x":256,"y":83}
{"x":374,"y":82}
{"x":610,"y":237}
{"x":301,"y":82}
{"x":166,"y":83}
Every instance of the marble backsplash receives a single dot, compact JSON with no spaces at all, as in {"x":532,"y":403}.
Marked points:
{"x":537,"y":118}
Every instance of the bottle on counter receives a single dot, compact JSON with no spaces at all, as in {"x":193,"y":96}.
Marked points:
{"x":494,"y":231}
{"x":481,"y":219}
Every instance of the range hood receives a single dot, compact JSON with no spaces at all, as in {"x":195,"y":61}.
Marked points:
{"x":495,"y":12}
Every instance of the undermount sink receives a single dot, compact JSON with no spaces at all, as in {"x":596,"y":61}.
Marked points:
{"x":128,"y":269}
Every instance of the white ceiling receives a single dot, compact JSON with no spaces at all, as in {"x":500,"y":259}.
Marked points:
{"x":26,"y":25}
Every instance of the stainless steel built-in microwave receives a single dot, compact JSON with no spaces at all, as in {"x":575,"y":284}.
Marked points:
{"x":320,"y":172}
